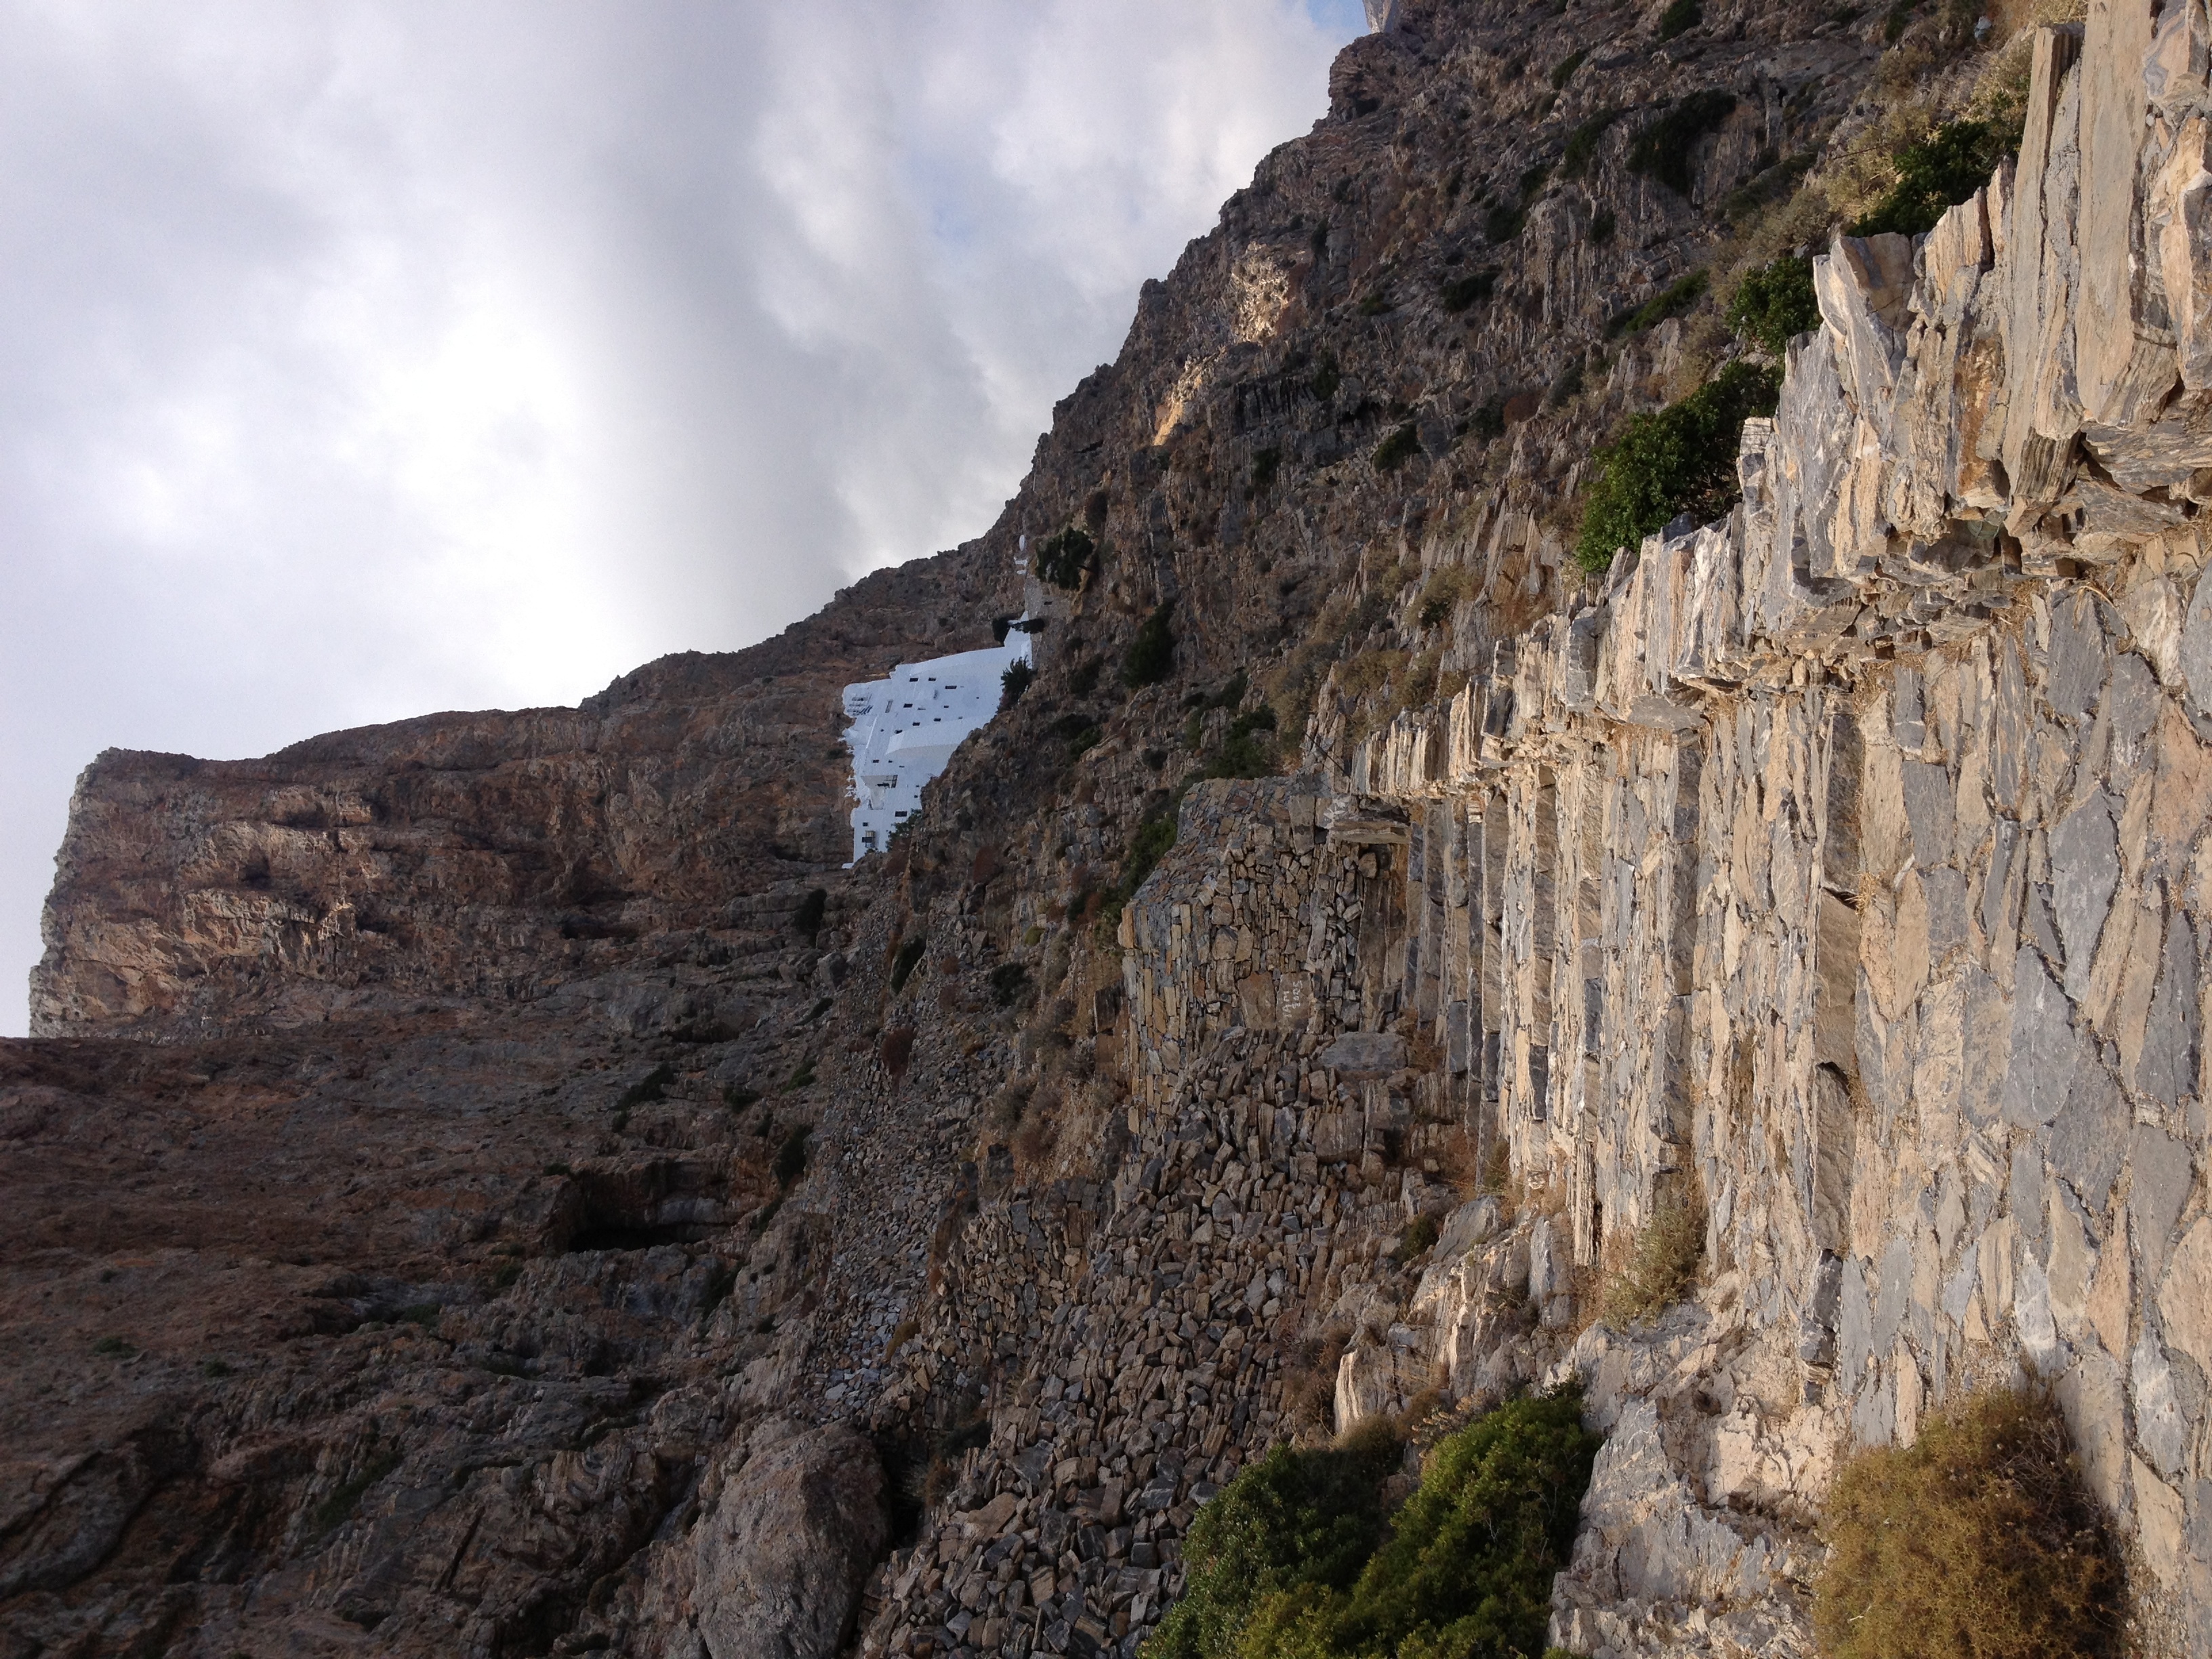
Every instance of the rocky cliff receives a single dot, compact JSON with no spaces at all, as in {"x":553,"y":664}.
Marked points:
{"x":693,"y":1283}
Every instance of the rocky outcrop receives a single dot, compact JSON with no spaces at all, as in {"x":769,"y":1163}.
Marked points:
{"x":460,"y":860}
{"x":1838,"y":868}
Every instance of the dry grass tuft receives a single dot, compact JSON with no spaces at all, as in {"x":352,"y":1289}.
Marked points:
{"x":1979,"y":1541}
{"x":1661,"y":1267}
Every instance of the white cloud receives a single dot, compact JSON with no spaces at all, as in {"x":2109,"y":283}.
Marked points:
{"x":358,"y":360}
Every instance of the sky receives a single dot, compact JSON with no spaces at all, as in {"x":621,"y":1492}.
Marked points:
{"x":360,"y":361}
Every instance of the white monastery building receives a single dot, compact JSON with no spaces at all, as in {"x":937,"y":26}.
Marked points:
{"x":905,"y":728}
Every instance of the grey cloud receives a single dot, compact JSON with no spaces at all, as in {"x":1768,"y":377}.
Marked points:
{"x":360,"y":360}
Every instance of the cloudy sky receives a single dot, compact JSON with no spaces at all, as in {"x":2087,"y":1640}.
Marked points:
{"x":362,"y":360}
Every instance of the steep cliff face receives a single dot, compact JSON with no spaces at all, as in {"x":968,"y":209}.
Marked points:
{"x":1839,"y":868}
{"x":465,"y":859}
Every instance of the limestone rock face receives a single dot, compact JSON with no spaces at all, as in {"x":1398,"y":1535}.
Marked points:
{"x":519,"y":1240}
{"x":778,"y":1559}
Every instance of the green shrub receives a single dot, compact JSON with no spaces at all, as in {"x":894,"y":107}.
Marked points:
{"x":1663,"y":148}
{"x":1893,"y":26}
{"x":1327,"y":376}
{"x":1151,"y":656}
{"x":1401,"y":447}
{"x":1016,"y":679}
{"x":1583,"y":141}
{"x":802,"y":1077}
{"x":1682,"y":16}
{"x":1418,"y":1236}
{"x":1978,"y":1542}
{"x":1677,"y":297}
{"x":653,"y":1086}
{"x":1776,"y":304}
{"x":1564,"y":70}
{"x":1244,"y":752}
{"x":807,"y":919}
{"x":114,"y":1348}
{"x":905,"y":962}
{"x":736,"y":1096}
{"x":1084,"y":679}
{"x":1461,"y":292}
{"x":1292,"y":1521}
{"x":1940,"y":171}
{"x":1503,"y":222}
{"x":216,"y":1370}
{"x":1374,"y":304}
{"x":1603,"y":225}
{"x":1662,"y":1265}
{"x":1681,"y":460}
{"x":1063,"y":560}
{"x":1464,"y":1572}
{"x":1155,"y":836}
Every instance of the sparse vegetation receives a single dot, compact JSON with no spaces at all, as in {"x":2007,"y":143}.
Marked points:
{"x":1775,"y":304}
{"x":1679,"y":17}
{"x":1151,"y":656}
{"x":1978,"y":1542}
{"x":1419,"y":1235}
{"x":335,"y":1510}
{"x":1662,"y":1264}
{"x":736,"y":1096}
{"x":1008,"y":980}
{"x":1461,"y":292}
{"x":1266,"y":463}
{"x":1401,"y":447}
{"x":1564,"y":70}
{"x":114,"y":1348}
{"x":1016,"y":679}
{"x":802,"y":1077}
{"x":1681,"y":460}
{"x":1935,"y":174}
{"x":1292,"y":1560}
{"x":1066,"y":558}
{"x":1583,"y":143}
{"x":1672,"y":300}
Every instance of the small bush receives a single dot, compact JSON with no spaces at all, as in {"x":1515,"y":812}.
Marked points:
{"x":736,"y":1096}
{"x":1063,"y":560}
{"x":1776,"y":304}
{"x":1679,"y":17}
{"x":1293,"y":1522}
{"x":1466,"y":1568}
{"x":1564,"y":70}
{"x":1418,"y":1236}
{"x":1583,"y":143}
{"x":791,"y":1156}
{"x":802,"y":1077}
{"x":1401,"y":447}
{"x":1672,"y":300}
{"x":1663,"y":1266}
{"x":1461,"y":292}
{"x":1266,"y":464}
{"x":1327,"y":376}
{"x":1008,"y":980}
{"x":1155,"y":835}
{"x":1943,"y":169}
{"x":1681,"y":460}
{"x":1083,"y":679}
{"x":1663,"y":149}
{"x":1017,"y":678}
{"x":908,"y":958}
{"x":1978,"y":1541}
{"x":114,"y":1348}
{"x":1603,"y":225}
{"x":335,"y":1510}
{"x":214,"y":1370}
{"x":653,"y":1086}
{"x":1151,"y":656}
{"x":1503,"y":222}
